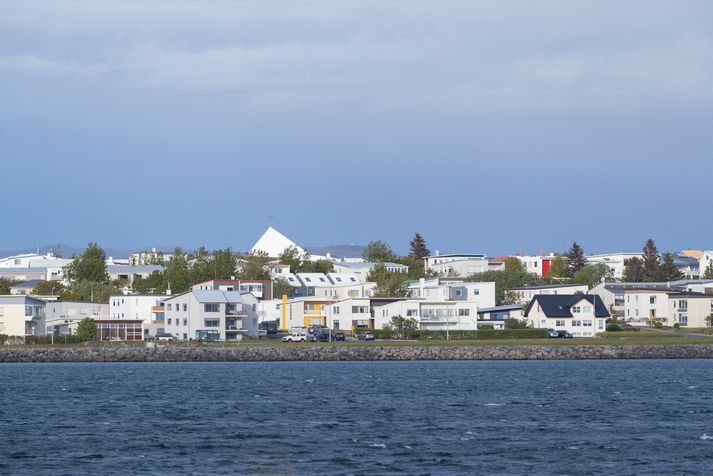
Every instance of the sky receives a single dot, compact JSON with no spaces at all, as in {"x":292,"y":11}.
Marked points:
{"x":488,"y":127}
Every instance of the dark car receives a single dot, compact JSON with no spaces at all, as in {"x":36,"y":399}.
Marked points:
{"x":366,"y":336}
{"x":552,"y":334}
{"x":564,"y":334}
{"x":338,"y":336}
{"x":321,"y":337}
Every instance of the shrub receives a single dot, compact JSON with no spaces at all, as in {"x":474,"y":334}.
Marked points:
{"x":677,"y":326}
{"x":658,"y":325}
{"x":613,"y":328}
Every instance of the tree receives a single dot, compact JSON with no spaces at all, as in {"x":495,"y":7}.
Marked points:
{"x":388,"y":283}
{"x":418,"y":248}
{"x":634,"y":270}
{"x":709,"y":320}
{"x":48,"y":288}
{"x":513,"y":264}
{"x":559,"y":267}
{"x":177,"y":275}
{"x":254,"y":265}
{"x":593,"y":274}
{"x":87,"y":329}
{"x":280,"y":287}
{"x":378,"y":252}
{"x":669,"y":271}
{"x":506,"y":280}
{"x":90,"y":266}
{"x":651,"y":262}
{"x":155,"y":282}
{"x":319,"y":266}
{"x":292,"y":257}
{"x":5,"y":285}
{"x":402,"y":327}
{"x":514,"y":323}
{"x":575,"y":258}
{"x":708,"y":273}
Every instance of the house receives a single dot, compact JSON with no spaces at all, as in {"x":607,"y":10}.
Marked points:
{"x":62,"y":317}
{"x":333,"y":286}
{"x":356,"y":314}
{"x":439,"y":288}
{"x":25,"y":287}
{"x":704,"y":262}
{"x":26,"y":274}
{"x":35,"y":266}
{"x":21,"y":315}
{"x":644,"y":305}
{"x":462,"y":265}
{"x":302,"y":312}
{"x":690,"y":309}
{"x":497,"y":315}
{"x":431,"y":314}
{"x":260,"y":288}
{"x":538,"y":265}
{"x":613,"y":294}
{"x":615,"y":261}
{"x":523,"y":295}
{"x":211,"y":315}
{"x":581,"y":315}
{"x":139,"y":307}
{"x":149,"y":257}
{"x":689,"y":266}
{"x":128,"y":272}
{"x":361,"y":269}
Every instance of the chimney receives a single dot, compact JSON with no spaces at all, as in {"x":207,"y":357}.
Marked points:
{"x":542,"y":253}
{"x":437,"y":253}
{"x":521,"y":253}
{"x":168,"y":290}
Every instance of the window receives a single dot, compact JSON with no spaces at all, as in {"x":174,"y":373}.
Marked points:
{"x":576,"y":309}
{"x":353,"y":280}
{"x":211,"y":307}
{"x":359,"y":309}
{"x":476,"y":292}
{"x":559,"y":323}
{"x":185,"y":307}
{"x":683,"y":319}
{"x":652,"y":299}
{"x":185,"y":321}
{"x":458,"y":292}
{"x":464,"y":312}
{"x":682,"y":305}
{"x":169,"y":306}
{"x":308,"y":280}
{"x":336,"y":309}
{"x":587,"y":323}
{"x":310,"y":307}
{"x":411,"y":312}
{"x":586,"y":308}
{"x":339,"y":280}
{"x":211,"y":323}
{"x":321,"y":280}
{"x":168,"y":321}
{"x":576,"y":323}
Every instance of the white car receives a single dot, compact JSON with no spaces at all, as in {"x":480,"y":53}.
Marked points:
{"x":295,"y":337}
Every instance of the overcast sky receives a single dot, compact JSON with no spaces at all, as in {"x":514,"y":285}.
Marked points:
{"x":486,"y":126}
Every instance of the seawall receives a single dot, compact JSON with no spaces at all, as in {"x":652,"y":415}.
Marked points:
{"x":173,"y":353}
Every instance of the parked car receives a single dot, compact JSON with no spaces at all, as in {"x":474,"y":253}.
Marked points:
{"x":164,"y":337}
{"x":366,"y":335}
{"x":564,"y":334}
{"x":552,"y":334}
{"x":295,"y":337}
{"x":338,"y":336}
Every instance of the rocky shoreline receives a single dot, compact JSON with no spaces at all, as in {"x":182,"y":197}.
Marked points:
{"x":174,"y":353}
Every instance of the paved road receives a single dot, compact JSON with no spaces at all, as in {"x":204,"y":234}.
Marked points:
{"x":691,"y":335}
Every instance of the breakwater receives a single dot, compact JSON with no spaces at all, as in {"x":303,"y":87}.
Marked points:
{"x":203,"y":353}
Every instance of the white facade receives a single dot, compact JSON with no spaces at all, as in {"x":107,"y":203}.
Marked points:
{"x":690,"y":310}
{"x":21,"y":315}
{"x":431,"y":314}
{"x":704,"y":262}
{"x":525,"y":294}
{"x":62,"y":317}
{"x":616,"y":261}
{"x":361,"y":269}
{"x":483,"y":293}
{"x":576,"y":314}
{"x":462,"y":265}
{"x":274,"y":243}
{"x":211,"y":315}
{"x":645,"y":305}
{"x":137,"y":306}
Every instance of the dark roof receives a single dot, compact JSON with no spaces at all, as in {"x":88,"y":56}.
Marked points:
{"x":558,"y":305}
{"x":505,"y":307}
{"x":28,"y":284}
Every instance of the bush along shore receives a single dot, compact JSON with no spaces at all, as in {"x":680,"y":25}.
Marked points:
{"x":174,"y":353}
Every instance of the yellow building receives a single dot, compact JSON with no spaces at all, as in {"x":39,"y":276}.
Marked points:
{"x":304,"y":312}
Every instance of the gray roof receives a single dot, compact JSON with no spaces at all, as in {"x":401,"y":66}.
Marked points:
{"x":559,"y":305}
{"x":23,"y":270}
{"x":547,"y":286}
{"x":119,"y":268}
{"x":505,"y":307}
{"x":212,"y":296}
{"x":20,"y":300}
{"x":28,"y":284}
{"x":366,"y":264}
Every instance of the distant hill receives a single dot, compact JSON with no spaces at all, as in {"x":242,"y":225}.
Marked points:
{"x":69,"y":250}
{"x":338,"y":251}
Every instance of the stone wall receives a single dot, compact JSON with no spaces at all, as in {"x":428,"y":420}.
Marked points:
{"x":176,"y":353}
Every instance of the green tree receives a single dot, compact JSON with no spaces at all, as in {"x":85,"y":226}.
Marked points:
{"x":90,"y":266}
{"x":506,"y":280}
{"x":5,"y":285}
{"x":634,"y":270}
{"x":402,"y":327}
{"x":319,"y":266}
{"x":254,"y":265}
{"x":652,"y":265}
{"x":378,"y":252}
{"x":559,"y":267}
{"x":48,"y":288}
{"x":154,"y":283}
{"x":177,"y":275}
{"x":91,"y":291}
{"x":669,"y":271}
{"x":418,"y":249}
{"x":280,"y":287}
{"x":575,"y":258}
{"x":513,"y":264}
{"x":388,"y":283}
{"x":222,"y":264}
{"x":593,"y":274}
{"x":292,"y":257}
{"x":416,"y":267}
{"x":708,"y":273}
{"x":514,"y":323}
{"x":87,"y":329}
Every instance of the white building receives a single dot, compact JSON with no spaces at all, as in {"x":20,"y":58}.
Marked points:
{"x":690,"y":309}
{"x":704,"y":262}
{"x":62,"y":317}
{"x":581,"y":315}
{"x":431,"y":314}
{"x":211,"y":315}
{"x":143,"y":307}
{"x":260,"y":288}
{"x":128,"y":273}
{"x":333,"y":286}
{"x":21,"y":315}
{"x":362,"y":269}
{"x":483,"y":293}
{"x":462,"y":265}
{"x":616,"y":261}
{"x":274,"y":243}
{"x":524,"y":295}
{"x":30,"y":266}
{"x":643,"y":306}
{"x":153,"y":256}
{"x":496,"y":316}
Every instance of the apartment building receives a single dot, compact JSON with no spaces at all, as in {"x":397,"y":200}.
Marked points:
{"x":483,"y":293}
{"x":645,"y":305}
{"x":461,"y":265}
{"x":361,"y":269}
{"x":211,"y":315}
{"x":140,"y":307}
{"x":690,"y":309}
{"x":260,"y":288}
{"x":615,"y":261}
{"x":357,"y":313}
{"x":21,"y":315}
{"x":581,"y":315}
{"x":333,"y":286}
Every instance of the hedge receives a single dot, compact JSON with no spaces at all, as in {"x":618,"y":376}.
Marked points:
{"x":463,"y":335}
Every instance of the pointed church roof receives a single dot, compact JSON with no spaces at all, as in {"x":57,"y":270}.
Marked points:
{"x":274,"y":243}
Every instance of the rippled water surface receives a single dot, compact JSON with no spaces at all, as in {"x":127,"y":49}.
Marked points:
{"x":578,"y":417}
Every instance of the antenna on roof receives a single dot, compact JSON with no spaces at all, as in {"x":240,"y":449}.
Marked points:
{"x":269,"y":220}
